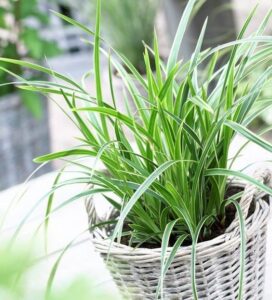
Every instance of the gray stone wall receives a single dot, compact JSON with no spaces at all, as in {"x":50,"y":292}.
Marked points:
{"x":22,"y":138}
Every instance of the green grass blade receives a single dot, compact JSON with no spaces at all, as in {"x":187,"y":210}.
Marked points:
{"x":74,"y":23}
{"x":65,"y":153}
{"x":202,"y":104}
{"x":227,"y":172}
{"x":173,"y":56}
{"x":243,"y":247}
{"x":122,"y":117}
{"x":96,"y":61}
{"x":82,"y":125}
{"x":198,"y":46}
{"x":81,"y":195}
{"x":167,"y":261}
{"x":195,"y":236}
{"x":39,"y":68}
{"x":49,"y":208}
{"x":165,"y":242}
{"x":249,"y":135}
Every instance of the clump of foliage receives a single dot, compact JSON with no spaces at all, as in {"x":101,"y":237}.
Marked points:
{"x":127,"y":24}
{"x":170,"y":176}
{"x":20,"y":25}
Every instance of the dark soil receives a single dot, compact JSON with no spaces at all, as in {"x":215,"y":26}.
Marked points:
{"x":222,"y":223}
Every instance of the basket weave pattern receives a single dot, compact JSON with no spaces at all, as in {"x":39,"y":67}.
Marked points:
{"x":137,"y":271}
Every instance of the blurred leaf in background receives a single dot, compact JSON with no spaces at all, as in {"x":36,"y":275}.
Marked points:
{"x":18,"y":280}
{"x":126,"y":26}
{"x":21,"y":37}
{"x":13,"y":267}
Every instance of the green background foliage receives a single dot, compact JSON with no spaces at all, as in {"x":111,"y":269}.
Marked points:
{"x":24,"y":41}
{"x":17,"y":273}
{"x":127,"y":24}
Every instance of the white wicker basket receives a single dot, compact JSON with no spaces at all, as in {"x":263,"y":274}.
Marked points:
{"x":136,"y":271}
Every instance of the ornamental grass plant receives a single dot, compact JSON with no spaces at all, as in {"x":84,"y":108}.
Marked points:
{"x":170,"y":181}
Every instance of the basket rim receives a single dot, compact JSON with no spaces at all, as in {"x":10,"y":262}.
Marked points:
{"x":231,"y":236}
{"x":227,"y":237}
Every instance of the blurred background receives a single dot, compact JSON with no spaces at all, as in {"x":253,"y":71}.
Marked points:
{"x":31,"y":124}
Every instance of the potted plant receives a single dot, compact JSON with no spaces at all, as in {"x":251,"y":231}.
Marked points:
{"x":21,"y":111}
{"x":179,"y":224}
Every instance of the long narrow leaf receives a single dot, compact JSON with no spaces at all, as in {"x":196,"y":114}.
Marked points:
{"x":227,"y":172}
{"x":249,"y":135}
{"x":179,"y":35}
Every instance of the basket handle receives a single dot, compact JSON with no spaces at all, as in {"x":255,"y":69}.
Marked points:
{"x":91,"y":212}
{"x":94,"y":217}
{"x":251,"y":191}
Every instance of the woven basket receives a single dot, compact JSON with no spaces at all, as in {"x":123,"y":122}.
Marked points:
{"x":136,"y":271}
